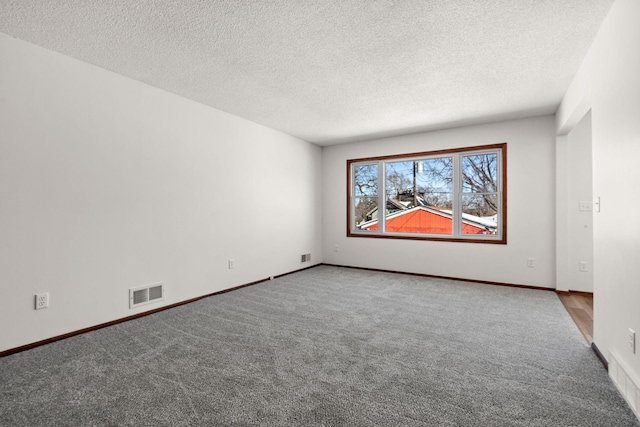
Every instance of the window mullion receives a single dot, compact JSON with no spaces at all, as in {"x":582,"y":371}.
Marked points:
{"x":382,"y":197}
{"x":352,"y":199}
{"x":457,"y":195}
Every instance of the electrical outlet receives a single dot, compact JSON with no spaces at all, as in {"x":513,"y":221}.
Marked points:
{"x":632,"y":341}
{"x":531,"y":262}
{"x":582,"y":266}
{"x":231,"y":262}
{"x":335,"y":248}
{"x":42,"y":300}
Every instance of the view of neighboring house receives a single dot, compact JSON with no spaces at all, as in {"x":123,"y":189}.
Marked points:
{"x":403,"y":200}
{"x":393,"y":206}
{"x":427,"y":220}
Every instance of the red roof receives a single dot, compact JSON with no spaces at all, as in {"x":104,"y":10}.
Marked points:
{"x":425,"y":220}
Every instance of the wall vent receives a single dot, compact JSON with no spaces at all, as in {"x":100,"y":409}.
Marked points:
{"x":146,"y":294}
{"x":305,"y":257}
{"x":628,"y":385}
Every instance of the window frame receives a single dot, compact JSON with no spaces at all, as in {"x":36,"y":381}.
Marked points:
{"x":457,"y":193}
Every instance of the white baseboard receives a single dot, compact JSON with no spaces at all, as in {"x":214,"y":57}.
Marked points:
{"x":628,"y":386}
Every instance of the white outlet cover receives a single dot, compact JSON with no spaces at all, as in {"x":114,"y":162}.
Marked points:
{"x":42,"y":300}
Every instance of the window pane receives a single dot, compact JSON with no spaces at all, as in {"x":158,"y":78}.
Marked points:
{"x":399,"y":181}
{"x":365,"y":190}
{"x":480,"y":173}
{"x":435,"y":182}
{"x":419,"y":196}
{"x":365,"y":180}
{"x":366,"y":213}
{"x":479,"y":213}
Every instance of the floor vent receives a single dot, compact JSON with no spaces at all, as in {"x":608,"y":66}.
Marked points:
{"x":305,"y":258}
{"x":626,"y":382}
{"x":146,"y":294}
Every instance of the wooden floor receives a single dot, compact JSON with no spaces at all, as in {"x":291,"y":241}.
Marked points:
{"x":580,"y":308}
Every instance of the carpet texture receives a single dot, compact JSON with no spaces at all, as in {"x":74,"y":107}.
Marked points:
{"x":326,"y":346}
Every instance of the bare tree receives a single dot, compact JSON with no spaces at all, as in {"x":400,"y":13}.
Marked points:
{"x":479,"y":181}
{"x":479,"y":177}
{"x":397,"y":181}
{"x":366,"y":190}
{"x":436,"y":197}
{"x":366,"y":180}
{"x":436,"y":182}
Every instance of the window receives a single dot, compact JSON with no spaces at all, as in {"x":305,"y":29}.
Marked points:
{"x":452,"y":195}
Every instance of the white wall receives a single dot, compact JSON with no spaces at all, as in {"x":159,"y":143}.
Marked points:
{"x":574,"y":229}
{"x":608,"y":79}
{"x":531,"y":208}
{"x":580,"y":221}
{"x":107,"y":183}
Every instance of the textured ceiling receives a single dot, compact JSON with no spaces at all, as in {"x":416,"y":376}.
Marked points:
{"x":331,"y":71}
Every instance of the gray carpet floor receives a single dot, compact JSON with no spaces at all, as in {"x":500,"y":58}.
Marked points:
{"x":327,"y":346}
